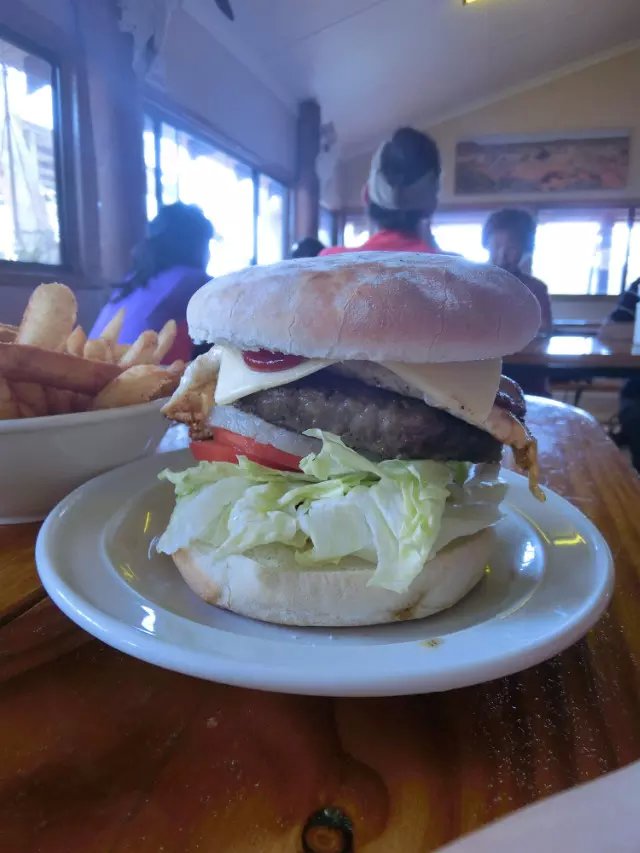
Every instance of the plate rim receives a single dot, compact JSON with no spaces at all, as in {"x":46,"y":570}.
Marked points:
{"x":216,"y":666}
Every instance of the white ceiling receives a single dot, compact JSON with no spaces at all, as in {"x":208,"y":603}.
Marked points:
{"x":374,"y":64}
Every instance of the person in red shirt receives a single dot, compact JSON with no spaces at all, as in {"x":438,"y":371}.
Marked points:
{"x":401,"y":194}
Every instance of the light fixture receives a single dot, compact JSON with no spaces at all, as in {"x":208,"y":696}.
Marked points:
{"x":468,"y":2}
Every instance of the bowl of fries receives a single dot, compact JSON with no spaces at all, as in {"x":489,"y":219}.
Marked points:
{"x":71,"y":407}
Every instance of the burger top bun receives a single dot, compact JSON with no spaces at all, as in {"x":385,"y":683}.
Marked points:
{"x":376,"y":306}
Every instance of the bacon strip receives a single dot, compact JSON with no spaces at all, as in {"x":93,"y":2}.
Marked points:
{"x":193,"y":398}
{"x":507,"y":429}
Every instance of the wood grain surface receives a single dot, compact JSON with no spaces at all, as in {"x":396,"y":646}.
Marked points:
{"x":102,"y":753}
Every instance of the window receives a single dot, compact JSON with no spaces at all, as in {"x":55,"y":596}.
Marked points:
{"x":461,"y":237}
{"x":29,"y":203}
{"x":326,"y":227}
{"x":584,"y":253}
{"x":248,"y":210}
{"x":578,"y":252}
{"x":272,"y":203}
{"x":625,"y":246}
{"x":151,"y":165}
{"x":567,"y":255}
{"x":356,"y":231}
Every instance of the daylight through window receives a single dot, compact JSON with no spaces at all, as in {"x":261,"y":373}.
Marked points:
{"x":248,"y":210}
{"x":29,"y":214}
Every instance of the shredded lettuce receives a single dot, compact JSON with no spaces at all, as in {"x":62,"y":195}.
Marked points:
{"x":395,"y":514}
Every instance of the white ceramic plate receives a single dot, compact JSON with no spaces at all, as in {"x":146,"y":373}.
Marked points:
{"x":548,"y":582}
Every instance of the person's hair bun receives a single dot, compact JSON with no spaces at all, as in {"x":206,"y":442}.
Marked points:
{"x":408,"y":156}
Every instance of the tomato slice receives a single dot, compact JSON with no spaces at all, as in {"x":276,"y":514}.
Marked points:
{"x":226,"y":446}
{"x":265,"y":360}
{"x":211,"y":451}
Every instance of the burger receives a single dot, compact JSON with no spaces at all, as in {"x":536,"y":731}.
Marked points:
{"x":348,"y":423}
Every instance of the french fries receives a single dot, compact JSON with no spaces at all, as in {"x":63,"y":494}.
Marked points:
{"x":32,"y":396}
{"x":76,"y":342}
{"x":7,"y":333}
{"x":111,"y":331}
{"x":118,"y":350}
{"x":97,"y":350}
{"x":139,"y":384}
{"x":60,"y":401}
{"x":49,"y":317}
{"x":166,"y":337}
{"x":48,"y":366}
{"x":141,"y":351}
{"x":8,"y":403}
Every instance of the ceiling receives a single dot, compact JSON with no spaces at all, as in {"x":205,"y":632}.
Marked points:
{"x":374,"y":64}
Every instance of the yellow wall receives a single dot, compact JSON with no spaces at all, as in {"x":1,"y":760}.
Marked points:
{"x":602,"y":96}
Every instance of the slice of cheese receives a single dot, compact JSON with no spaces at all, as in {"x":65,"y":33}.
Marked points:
{"x":236,"y":380}
{"x":466,"y":389}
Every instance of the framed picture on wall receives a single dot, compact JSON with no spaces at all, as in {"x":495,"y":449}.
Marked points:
{"x":542,"y":165}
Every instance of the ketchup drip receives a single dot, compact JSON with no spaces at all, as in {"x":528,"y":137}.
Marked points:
{"x":265,"y":360}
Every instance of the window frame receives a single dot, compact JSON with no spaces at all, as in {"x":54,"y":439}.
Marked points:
{"x":334,"y":217}
{"x":64,"y":107}
{"x":160,"y":114}
{"x":343,"y":218}
{"x":287,"y":212}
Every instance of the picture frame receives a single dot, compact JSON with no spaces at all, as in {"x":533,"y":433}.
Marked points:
{"x":542,"y":165}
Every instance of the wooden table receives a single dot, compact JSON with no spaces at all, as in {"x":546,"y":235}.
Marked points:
{"x":100,"y":752}
{"x":579,"y":355}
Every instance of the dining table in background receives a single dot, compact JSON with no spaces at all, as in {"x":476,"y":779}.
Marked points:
{"x":576,"y":327}
{"x":102,"y":752}
{"x":578,"y":355}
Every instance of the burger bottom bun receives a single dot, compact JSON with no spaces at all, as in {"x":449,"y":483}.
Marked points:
{"x":266,"y":584}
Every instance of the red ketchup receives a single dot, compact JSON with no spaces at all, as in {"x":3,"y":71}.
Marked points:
{"x":265,"y":360}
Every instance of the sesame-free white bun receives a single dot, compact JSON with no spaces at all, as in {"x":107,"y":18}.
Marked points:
{"x":266,"y":584}
{"x":376,"y":306}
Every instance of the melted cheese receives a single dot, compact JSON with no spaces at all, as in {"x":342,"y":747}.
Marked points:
{"x":466,"y":389}
{"x":236,"y":380}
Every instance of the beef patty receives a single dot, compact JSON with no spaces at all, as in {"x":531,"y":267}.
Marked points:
{"x":372,"y":420}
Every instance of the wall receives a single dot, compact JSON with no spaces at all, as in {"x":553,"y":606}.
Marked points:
{"x":207,"y":80}
{"x":199,"y":77}
{"x":103,"y":212}
{"x":60,"y":12}
{"x":604,"y":95}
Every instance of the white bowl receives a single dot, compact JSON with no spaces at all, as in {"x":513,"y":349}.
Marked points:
{"x":43,"y":459}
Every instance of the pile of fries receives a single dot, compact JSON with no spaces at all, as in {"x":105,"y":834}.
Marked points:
{"x":48,"y":366}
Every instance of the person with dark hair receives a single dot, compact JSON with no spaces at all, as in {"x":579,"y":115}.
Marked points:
{"x":168,"y":267}
{"x":619,"y":325}
{"x":509,"y":235}
{"x":625,"y":310}
{"x":401,"y":194}
{"x":309,"y":247}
